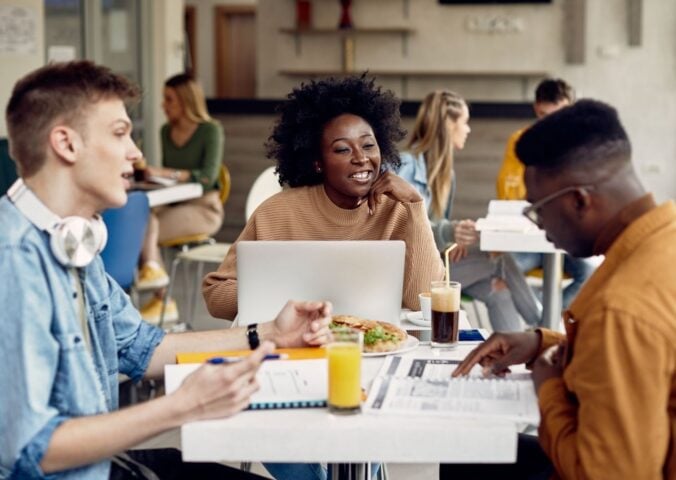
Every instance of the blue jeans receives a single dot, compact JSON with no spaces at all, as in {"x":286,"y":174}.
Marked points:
{"x":305,"y":471}
{"x":578,"y":268}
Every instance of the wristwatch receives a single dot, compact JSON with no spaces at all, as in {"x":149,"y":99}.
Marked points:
{"x":252,"y":336}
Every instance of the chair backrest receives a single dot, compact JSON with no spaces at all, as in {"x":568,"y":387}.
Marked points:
{"x":224,"y":182}
{"x":126,"y":230}
{"x":7,"y":167}
{"x":265,"y":186}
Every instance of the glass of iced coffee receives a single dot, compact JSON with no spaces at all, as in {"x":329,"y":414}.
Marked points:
{"x":445,"y":313}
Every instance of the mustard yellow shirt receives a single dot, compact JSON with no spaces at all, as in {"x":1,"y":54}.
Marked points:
{"x":510,"y":184}
{"x":613,"y":413}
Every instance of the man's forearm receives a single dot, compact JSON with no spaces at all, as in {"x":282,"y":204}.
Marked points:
{"x":86,"y":440}
{"x":207,"y":341}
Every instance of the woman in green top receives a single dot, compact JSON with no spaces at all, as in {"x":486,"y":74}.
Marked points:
{"x":192,"y":151}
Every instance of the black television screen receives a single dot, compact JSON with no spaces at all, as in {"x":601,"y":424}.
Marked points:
{"x":485,"y":2}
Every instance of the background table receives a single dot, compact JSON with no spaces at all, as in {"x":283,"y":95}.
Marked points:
{"x":158,"y":195}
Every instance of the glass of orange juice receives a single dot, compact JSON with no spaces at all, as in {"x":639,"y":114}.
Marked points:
{"x":344,"y":355}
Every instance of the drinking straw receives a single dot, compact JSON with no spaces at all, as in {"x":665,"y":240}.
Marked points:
{"x":450,"y":248}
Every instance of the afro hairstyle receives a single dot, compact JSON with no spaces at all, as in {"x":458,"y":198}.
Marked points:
{"x":295,"y":142}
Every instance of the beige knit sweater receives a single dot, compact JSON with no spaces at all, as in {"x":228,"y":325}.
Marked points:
{"x":306,"y":213}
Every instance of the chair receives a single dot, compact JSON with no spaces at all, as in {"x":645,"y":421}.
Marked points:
{"x":200,"y":248}
{"x":126,"y":230}
{"x":7,"y":167}
{"x":265,"y":185}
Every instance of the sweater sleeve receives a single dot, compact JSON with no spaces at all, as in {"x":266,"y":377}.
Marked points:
{"x":423,"y":263}
{"x":207,"y":172}
{"x":616,"y":425}
{"x":219,"y":288}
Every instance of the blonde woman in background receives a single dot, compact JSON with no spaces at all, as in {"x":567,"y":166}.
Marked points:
{"x":442,"y":126}
{"x":192,"y":151}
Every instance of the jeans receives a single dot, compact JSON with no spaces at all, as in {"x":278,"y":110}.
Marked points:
{"x":578,"y":268}
{"x":305,"y":471}
{"x":476,"y":272}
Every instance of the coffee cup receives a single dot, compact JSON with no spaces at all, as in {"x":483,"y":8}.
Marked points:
{"x":426,"y":305}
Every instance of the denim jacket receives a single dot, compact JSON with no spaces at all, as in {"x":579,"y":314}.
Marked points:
{"x":49,"y":375}
{"x":414,"y":170}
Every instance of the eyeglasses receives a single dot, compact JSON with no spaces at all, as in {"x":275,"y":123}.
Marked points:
{"x":532,"y":212}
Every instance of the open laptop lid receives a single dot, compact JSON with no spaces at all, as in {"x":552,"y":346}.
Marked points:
{"x":361,"y":278}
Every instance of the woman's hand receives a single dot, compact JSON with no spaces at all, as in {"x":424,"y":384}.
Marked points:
{"x":465,"y":233}
{"x":393,"y":186}
{"x":300,"y":324}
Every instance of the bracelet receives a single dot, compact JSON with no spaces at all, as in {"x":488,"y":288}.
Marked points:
{"x":252,"y":336}
{"x":175,"y":174}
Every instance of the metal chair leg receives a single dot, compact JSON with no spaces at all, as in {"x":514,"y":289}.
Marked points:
{"x":170,"y":289}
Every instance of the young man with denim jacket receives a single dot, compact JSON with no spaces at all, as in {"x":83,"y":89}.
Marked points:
{"x":68,"y":330}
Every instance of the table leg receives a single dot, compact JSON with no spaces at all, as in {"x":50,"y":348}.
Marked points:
{"x":551,"y":290}
{"x":349,"y":471}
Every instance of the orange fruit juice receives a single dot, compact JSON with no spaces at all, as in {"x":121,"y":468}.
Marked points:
{"x":344,"y":374}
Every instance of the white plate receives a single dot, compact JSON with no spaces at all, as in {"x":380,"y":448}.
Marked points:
{"x":416,"y":318}
{"x":409,"y":344}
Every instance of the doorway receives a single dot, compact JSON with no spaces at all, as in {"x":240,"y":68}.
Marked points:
{"x":235,"y":40}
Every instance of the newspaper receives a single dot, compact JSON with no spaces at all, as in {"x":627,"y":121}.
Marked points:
{"x":424,"y":386}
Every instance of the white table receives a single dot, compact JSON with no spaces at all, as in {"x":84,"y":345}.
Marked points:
{"x":527,"y":240}
{"x":315,"y":435}
{"x":174,"y":193}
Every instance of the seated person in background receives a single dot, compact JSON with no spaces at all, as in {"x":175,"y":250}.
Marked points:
{"x":192,"y":150}
{"x":335,"y":145}
{"x":551,"y":94}
{"x":441,"y":127}
{"x":607,"y":390}
{"x":68,"y":330}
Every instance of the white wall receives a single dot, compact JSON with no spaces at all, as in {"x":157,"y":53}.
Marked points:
{"x":639,"y":81}
{"x":163,"y":52}
{"x":206,"y":59}
{"x":16,"y":65}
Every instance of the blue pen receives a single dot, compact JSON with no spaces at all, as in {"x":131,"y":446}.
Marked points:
{"x":222,"y":360}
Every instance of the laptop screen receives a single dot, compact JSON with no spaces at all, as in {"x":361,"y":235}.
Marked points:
{"x":362,"y":278}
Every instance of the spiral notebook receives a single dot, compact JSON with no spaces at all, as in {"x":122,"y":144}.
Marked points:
{"x":283,"y":383}
{"x":424,"y":386}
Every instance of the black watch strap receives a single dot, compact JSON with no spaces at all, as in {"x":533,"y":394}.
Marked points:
{"x":252,"y":336}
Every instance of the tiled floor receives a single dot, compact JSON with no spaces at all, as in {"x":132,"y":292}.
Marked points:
{"x":203,"y":321}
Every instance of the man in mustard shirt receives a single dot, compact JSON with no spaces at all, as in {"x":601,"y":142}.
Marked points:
{"x":606,"y":389}
{"x":551,"y":95}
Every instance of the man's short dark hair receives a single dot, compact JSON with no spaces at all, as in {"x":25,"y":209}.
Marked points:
{"x":553,"y":90}
{"x":57,"y":92}
{"x":584,"y":133}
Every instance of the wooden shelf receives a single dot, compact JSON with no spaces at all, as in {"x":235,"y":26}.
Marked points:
{"x":346,"y":31}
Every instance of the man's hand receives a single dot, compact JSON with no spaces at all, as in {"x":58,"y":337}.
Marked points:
{"x":393,"y":186}
{"x":457,"y":254}
{"x":215,"y":391}
{"x":300,"y":324}
{"x":549,"y":365}
{"x":500,"y":351}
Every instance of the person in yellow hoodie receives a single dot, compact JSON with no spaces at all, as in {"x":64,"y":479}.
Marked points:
{"x":551,"y":95}
{"x":606,"y":389}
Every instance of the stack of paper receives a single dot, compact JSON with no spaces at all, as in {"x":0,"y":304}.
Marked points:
{"x":424,"y":386}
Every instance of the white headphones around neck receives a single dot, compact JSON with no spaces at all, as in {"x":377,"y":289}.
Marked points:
{"x":75,"y":241}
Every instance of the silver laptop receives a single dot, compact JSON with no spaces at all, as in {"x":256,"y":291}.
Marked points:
{"x":361,"y":278}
